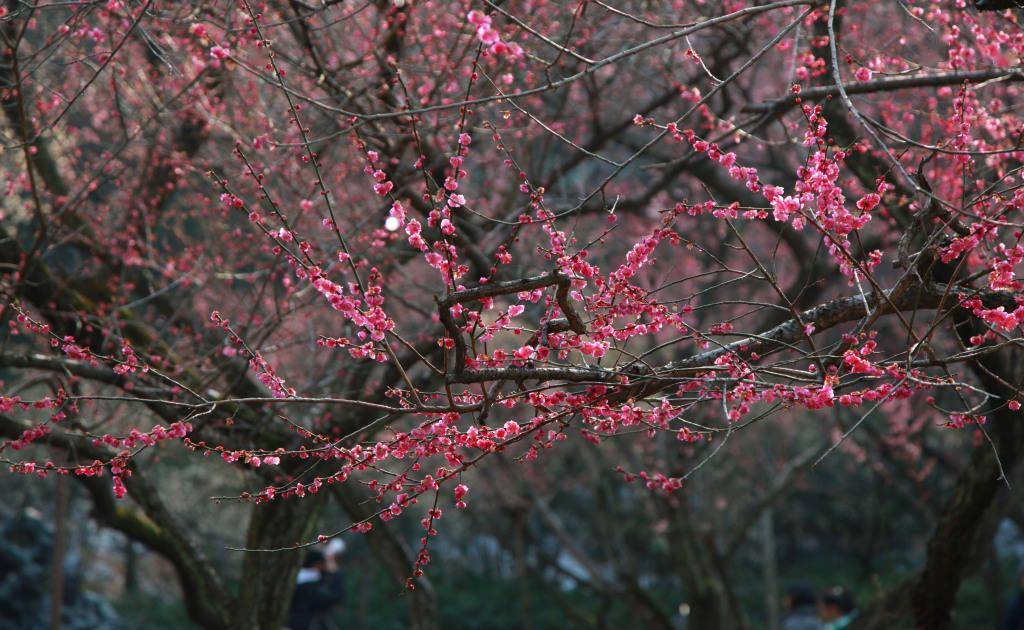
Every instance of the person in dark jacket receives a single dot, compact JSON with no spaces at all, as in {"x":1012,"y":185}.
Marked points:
{"x":801,"y":606}
{"x":320,"y":588}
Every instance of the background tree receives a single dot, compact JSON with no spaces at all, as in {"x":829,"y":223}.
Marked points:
{"x":591,"y":271}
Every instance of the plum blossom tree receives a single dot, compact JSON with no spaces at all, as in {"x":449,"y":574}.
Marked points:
{"x":367,"y":253}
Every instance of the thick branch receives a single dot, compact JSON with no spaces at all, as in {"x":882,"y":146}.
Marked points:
{"x":781,"y":105}
{"x":823,"y":317}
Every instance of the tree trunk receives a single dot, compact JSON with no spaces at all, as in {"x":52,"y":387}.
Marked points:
{"x":770,"y":569}
{"x":710,"y":601}
{"x":522,"y":570}
{"x":268,"y":577}
{"x":927,"y":600}
{"x":60,"y":544}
